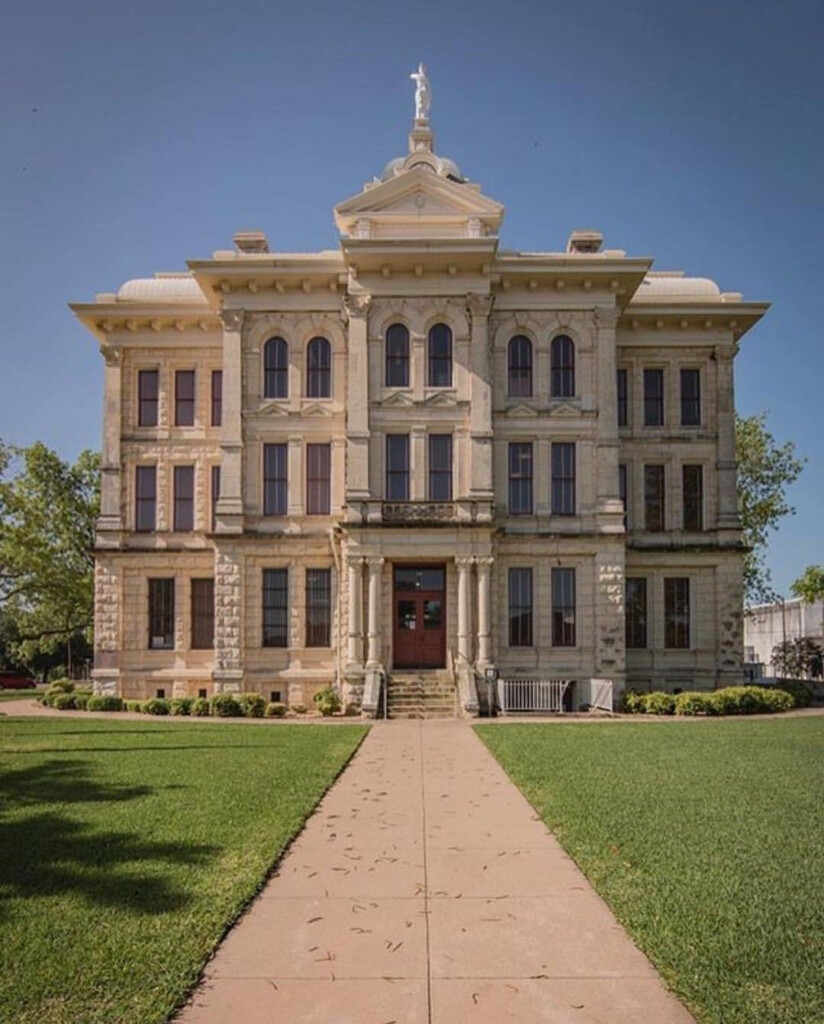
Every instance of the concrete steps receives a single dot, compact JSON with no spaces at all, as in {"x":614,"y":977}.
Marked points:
{"x":421,"y":695}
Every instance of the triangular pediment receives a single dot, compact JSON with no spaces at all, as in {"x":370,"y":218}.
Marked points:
{"x":399,"y":398}
{"x":316,"y":409}
{"x":275,"y":407}
{"x":565,"y":409}
{"x":521,"y":409}
{"x":441,"y":398}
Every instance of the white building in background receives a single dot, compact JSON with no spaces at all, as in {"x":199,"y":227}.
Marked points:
{"x":767,"y":625}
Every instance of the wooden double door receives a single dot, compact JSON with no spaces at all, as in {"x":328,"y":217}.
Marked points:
{"x":419,"y":616}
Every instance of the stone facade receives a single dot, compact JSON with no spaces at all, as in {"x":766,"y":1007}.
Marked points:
{"x":509,"y":461}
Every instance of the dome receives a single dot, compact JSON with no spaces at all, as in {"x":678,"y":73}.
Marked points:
{"x":443,"y":166}
{"x":677,"y":286}
{"x":392,"y":168}
{"x":174,"y":288}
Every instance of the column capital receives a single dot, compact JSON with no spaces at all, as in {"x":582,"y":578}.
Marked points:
{"x":232,"y":319}
{"x":357,"y":306}
{"x":374,"y":562}
{"x":111,"y":356}
{"x":478,"y":305}
{"x":606,"y":316}
{"x":355,"y":561}
{"x":464,"y":561}
{"x":484,"y":562}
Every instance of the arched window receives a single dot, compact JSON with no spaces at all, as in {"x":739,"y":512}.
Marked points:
{"x":562,"y":358}
{"x":520,"y":366}
{"x":440,"y":356}
{"x":276,"y":369}
{"x":397,"y":356}
{"x":319,"y":368}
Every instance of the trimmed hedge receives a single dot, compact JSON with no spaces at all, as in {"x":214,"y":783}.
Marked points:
{"x":157,"y":706}
{"x":200,"y":708}
{"x":63,"y":702}
{"x":104,"y":703}
{"x":225,"y":705}
{"x":327,"y":701}
{"x":732,"y":700}
{"x":182,"y":705}
{"x":275,"y":709}
{"x":252,"y":705}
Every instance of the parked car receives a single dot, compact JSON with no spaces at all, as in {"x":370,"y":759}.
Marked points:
{"x":10,"y":680}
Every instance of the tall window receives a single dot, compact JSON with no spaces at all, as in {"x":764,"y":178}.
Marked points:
{"x":562,"y":361}
{"x":185,"y":398}
{"x":520,"y":366}
{"x":440,"y":356}
{"x":563,"y":607}
{"x":677,"y":612}
{"x":623,"y":489}
{"x":653,"y":398}
{"x":654,"y":498}
{"x":622,"y":381}
{"x":520,"y":478}
{"x":563,"y":478}
{"x":397,"y":467}
{"x":275,"y":480}
{"x":690,"y":398}
{"x":318,"y":607}
{"x":693,"y":496}
{"x":636,"y":611}
{"x":147,"y":387}
{"x":520,"y":607}
{"x":215,"y":493}
{"x":161,"y":614}
{"x":319,"y":368}
{"x":217,"y":397}
{"x":318,"y":479}
{"x":203,"y":614}
{"x":184,"y":498}
{"x":276,"y":369}
{"x":397,"y":356}
{"x":440,"y":467}
{"x":275,"y":607}
{"x":145,"y":504}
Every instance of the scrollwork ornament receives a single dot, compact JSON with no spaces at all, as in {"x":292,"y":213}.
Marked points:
{"x":232,"y":319}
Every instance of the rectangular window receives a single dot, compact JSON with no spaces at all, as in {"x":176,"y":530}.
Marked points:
{"x":520,"y":607}
{"x":690,"y":398}
{"x":147,"y":387}
{"x":623,"y":490}
{"x":217,"y":398}
{"x":693,"y":497}
{"x":654,"y":498}
{"x":677,"y":612}
{"x":275,"y":479}
{"x":185,"y":398}
{"x":623,"y":397}
{"x":397,"y":467}
{"x":318,"y":479}
{"x":215,"y":494}
{"x":145,"y":504}
{"x":636,"y":612}
{"x":318,"y":607}
{"x":520,"y":478}
{"x":275,"y":607}
{"x":563,"y":479}
{"x":184,"y":497}
{"x":440,"y":467}
{"x":162,"y":614}
{"x":563,"y":607}
{"x":653,"y":398}
{"x":203,"y":614}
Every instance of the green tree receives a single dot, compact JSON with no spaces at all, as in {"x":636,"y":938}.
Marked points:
{"x":765,"y":470}
{"x":810,"y":584}
{"x":802,"y":658}
{"x":48,"y":509}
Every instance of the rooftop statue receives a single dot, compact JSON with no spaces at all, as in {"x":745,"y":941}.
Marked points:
{"x":423,"y":94}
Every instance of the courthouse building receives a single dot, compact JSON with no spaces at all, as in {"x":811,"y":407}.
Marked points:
{"x":416,"y":458}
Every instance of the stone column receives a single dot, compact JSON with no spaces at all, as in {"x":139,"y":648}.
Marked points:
{"x":229,"y":511}
{"x":464,"y":639}
{"x":357,"y":404}
{"x":229,"y":619}
{"x":355,"y":653}
{"x":478,"y":308}
{"x":111,"y":518}
{"x":728,"y":517}
{"x":294,"y":470}
{"x":484,"y":612}
{"x":608,"y":505}
{"x":373,"y":658}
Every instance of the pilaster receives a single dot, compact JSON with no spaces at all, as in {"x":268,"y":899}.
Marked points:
{"x":357,"y":401}
{"x":229,"y":510}
{"x":608,"y":504}
{"x":728,"y":515}
{"x":478,"y":308}
{"x":229,"y":618}
{"x":110,"y":519}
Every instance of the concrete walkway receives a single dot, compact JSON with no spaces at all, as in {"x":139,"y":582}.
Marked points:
{"x":425,"y":889}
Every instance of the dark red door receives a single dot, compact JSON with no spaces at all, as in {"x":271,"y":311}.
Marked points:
{"x":419,"y":624}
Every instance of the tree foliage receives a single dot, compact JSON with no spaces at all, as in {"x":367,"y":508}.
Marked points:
{"x":765,"y":470}
{"x":802,"y":658}
{"x":810,"y":584}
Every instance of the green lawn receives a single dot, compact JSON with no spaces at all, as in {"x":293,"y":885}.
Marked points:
{"x":127,"y":847}
{"x":706,"y":839}
{"x":20,"y":694}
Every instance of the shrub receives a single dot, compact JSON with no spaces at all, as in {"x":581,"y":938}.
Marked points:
{"x":659,"y":703}
{"x":632,"y":703}
{"x":694,"y":702}
{"x":327,"y":701}
{"x":104,"y":702}
{"x":200,"y":708}
{"x":182,"y":706}
{"x":299,"y":709}
{"x":133,"y":705}
{"x":225,"y":705}
{"x":275,"y":709}
{"x":157,"y":706}
{"x":81,"y":700}
{"x":54,"y":689}
{"x":252,"y":705}
{"x":63,"y":702}
{"x":801,"y":693}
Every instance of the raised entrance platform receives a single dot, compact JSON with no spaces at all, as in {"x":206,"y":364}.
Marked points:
{"x":422,"y":695}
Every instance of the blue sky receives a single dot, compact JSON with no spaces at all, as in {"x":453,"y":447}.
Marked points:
{"x":136,"y":136}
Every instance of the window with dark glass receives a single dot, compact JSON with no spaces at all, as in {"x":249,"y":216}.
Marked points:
{"x":653,"y":398}
{"x":215,"y":493}
{"x":275,"y":607}
{"x":623,"y":490}
{"x":563,"y":607}
{"x":690,"y":398}
{"x":275,"y":479}
{"x":636,"y":611}
{"x":318,"y":479}
{"x":623,"y":396}
{"x":318,"y":607}
{"x":693,"y":496}
{"x":145,"y":490}
{"x":520,"y":607}
{"x":319,"y":368}
{"x":161,"y":614}
{"x":276,"y":369}
{"x":217,"y":398}
{"x":654,"y":498}
{"x":677,"y":612}
{"x":562,"y":365}
{"x":563,"y":478}
{"x":147,"y":388}
{"x":184,"y":498}
{"x":397,"y":356}
{"x":203,"y":614}
{"x":520,"y":366}
{"x":440,"y":467}
{"x":520,"y":478}
{"x":440,"y":356}
{"x":185,"y":398}
{"x":397,"y":467}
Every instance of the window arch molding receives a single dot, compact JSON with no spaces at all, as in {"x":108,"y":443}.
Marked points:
{"x":520,"y":365}
{"x":275,"y":352}
{"x":440,"y":354}
{"x":318,"y":366}
{"x":397,"y":355}
{"x":562,"y":357}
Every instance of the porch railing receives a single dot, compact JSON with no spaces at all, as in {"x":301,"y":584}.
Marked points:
{"x":516,"y":695}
